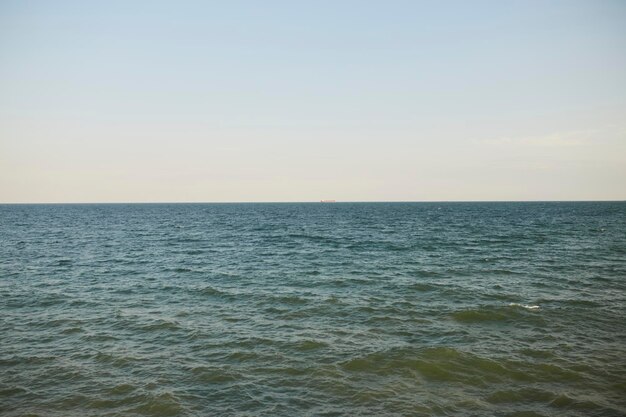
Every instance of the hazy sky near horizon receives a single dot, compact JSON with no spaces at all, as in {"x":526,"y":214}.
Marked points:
{"x":133,"y":101}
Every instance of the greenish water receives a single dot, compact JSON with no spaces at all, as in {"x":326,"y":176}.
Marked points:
{"x":399,"y":309}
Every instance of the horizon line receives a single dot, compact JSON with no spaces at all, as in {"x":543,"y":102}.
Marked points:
{"x":312,"y":202}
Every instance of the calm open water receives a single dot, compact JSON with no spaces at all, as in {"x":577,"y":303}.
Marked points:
{"x":407,"y":309}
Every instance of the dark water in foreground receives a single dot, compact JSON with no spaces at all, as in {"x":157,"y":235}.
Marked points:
{"x":506,"y":309}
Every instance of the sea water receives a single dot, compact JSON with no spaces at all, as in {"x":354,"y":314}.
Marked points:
{"x":381,"y":309}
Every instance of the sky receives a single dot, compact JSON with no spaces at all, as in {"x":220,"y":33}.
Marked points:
{"x":352,"y":100}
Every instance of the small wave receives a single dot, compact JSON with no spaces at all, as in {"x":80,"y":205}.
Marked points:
{"x":447,"y":364}
{"x":536,"y":353}
{"x":124,"y":291}
{"x":243,"y":356}
{"x":572,"y":302}
{"x":478,"y":315}
{"x":214,"y":375}
{"x":161,"y":325}
{"x":290,"y":300}
{"x":526,"y":395}
{"x":522,"y":395}
{"x":188,"y":240}
{"x":11,"y":391}
{"x":99,"y":337}
{"x":435,"y":363}
{"x":122,"y":389}
{"x":512,"y":311}
{"x":212,"y":291}
{"x":72,"y":330}
{"x":502,"y":272}
{"x":334,"y":300}
{"x":116,"y":360}
{"x":286,"y":371}
{"x":51,"y":300}
{"x":315,"y":238}
{"x":164,"y":404}
{"x":526,"y":306}
{"x":307,"y":345}
{"x":422,"y":287}
{"x":179,"y":270}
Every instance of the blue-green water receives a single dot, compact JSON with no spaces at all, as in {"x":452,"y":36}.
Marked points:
{"x":403,"y":309}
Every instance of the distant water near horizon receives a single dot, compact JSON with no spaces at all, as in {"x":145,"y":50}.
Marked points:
{"x":296,"y":309}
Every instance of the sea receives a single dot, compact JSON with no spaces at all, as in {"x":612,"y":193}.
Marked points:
{"x":313,"y":309}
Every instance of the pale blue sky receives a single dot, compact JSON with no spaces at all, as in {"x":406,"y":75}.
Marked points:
{"x":299,"y":101}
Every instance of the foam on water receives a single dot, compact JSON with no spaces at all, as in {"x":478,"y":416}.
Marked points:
{"x":526,"y":306}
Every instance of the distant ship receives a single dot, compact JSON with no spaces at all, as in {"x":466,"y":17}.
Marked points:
{"x":327,"y":201}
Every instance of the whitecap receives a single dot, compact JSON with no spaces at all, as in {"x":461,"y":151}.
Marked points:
{"x":526,"y":306}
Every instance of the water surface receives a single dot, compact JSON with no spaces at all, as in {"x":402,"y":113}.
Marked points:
{"x":382,"y":309}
